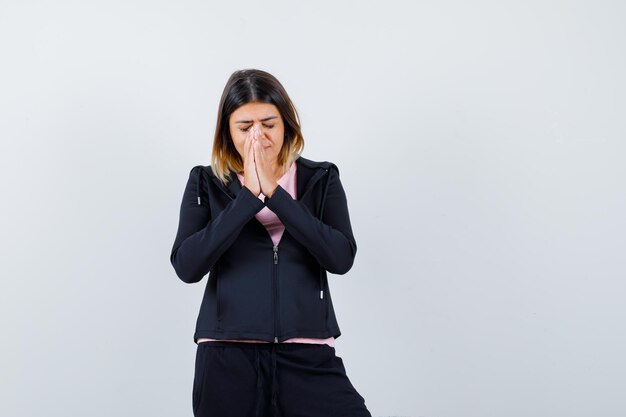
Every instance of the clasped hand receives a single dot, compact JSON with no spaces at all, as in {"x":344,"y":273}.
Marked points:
{"x":257,"y":167}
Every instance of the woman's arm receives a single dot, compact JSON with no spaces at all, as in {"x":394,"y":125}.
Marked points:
{"x":330,"y":240}
{"x":200,"y":240}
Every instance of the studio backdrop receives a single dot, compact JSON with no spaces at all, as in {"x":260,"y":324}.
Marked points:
{"x":481,"y":146}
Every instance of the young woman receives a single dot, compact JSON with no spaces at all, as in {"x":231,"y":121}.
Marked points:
{"x":267,"y":225}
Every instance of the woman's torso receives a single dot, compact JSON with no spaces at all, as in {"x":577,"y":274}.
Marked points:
{"x":275,"y":228}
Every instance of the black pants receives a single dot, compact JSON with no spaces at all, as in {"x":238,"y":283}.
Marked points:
{"x":240,"y":379}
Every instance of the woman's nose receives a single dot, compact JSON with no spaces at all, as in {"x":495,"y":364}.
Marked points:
{"x":258,"y":131}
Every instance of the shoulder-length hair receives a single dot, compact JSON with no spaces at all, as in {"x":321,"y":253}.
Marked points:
{"x":253,"y":86}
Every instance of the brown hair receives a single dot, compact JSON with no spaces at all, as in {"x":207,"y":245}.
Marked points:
{"x":253,"y":86}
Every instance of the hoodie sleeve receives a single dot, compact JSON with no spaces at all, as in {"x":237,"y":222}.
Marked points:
{"x":201,"y":240}
{"x":330,"y":240}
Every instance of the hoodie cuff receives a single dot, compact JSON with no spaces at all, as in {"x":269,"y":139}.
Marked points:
{"x":279,"y":195}
{"x":250,"y":198}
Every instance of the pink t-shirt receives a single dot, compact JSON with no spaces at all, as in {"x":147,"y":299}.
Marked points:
{"x":276,"y":228}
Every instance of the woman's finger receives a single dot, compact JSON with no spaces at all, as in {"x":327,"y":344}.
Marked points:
{"x":251,"y":151}
{"x":255,"y":145}
{"x":247,"y":145}
{"x":261,"y":150}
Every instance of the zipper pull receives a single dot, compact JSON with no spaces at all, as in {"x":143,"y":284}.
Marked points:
{"x":275,"y":254}
{"x":321,"y":294}
{"x":275,"y":339}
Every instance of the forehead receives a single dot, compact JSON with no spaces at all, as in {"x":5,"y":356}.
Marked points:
{"x":254,"y":111}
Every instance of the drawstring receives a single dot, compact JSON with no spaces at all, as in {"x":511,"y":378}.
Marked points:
{"x":324,"y":196}
{"x":259,"y":382}
{"x":320,"y":216}
{"x":198,"y":184}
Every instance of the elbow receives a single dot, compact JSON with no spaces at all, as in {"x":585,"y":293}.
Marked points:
{"x":344,"y":263}
{"x":184,"y":272}
{"x":340,"y":269}
{"x":189,"y":279}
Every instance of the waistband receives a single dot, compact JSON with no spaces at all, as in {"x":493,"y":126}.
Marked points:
{"x":266,"y":346}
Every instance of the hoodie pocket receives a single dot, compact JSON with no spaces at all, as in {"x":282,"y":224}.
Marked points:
{"x":217,"y":301}
{"x":219,"y":317}
{"x":323,"y":295}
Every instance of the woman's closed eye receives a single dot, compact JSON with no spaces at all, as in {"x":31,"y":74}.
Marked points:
{"x":247,"y":128}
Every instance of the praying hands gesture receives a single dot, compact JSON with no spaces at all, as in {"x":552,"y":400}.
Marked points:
{"x":257,"y":168}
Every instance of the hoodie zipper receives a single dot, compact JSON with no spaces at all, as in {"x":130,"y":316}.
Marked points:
{"x":275,"y":287}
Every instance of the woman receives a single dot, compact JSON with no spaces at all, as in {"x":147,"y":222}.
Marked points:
{"x":266,"y":224}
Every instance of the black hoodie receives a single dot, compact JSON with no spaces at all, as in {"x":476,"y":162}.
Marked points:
{"x":257,"y":290}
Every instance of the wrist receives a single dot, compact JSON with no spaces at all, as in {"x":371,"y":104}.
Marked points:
{"x":271,"y":193}
{"x":250,"y":190}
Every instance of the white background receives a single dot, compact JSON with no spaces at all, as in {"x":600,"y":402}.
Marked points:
{"x":480,"y":144}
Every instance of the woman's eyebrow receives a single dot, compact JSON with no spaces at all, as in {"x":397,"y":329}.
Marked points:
{"x":263,"y":120}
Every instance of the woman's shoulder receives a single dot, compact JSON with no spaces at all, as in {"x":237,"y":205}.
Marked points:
{"x":309,"y":163}
{"x":203,"y":174}
{"x":205,"y":170}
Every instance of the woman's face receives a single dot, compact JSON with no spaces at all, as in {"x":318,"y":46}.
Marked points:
{"x":264,"y":115}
